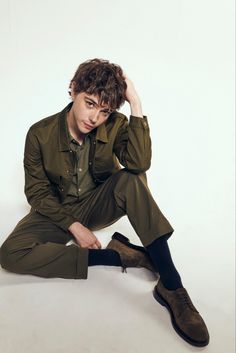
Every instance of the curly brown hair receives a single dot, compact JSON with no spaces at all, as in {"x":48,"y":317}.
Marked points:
{"x":101,"y":78}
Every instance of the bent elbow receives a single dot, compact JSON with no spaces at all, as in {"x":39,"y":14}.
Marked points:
{"x":139,"y":168}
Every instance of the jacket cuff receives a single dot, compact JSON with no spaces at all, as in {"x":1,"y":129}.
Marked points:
{"x":67,"y":223}
{"x":138,"y":122}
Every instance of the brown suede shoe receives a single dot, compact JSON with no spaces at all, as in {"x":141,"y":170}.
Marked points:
{"x":185,"y":318}
{"x":131,"y":255}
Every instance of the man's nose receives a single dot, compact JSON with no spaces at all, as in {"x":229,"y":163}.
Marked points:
{"x":94,"y":116}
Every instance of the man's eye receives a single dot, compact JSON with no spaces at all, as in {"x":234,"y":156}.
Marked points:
{"x":90,"y":104}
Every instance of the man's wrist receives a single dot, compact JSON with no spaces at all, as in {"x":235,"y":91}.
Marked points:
{"x":136,"y":108}
{"x":73,"y":225}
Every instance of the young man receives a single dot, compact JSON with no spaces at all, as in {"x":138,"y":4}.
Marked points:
{"x":75,"y":184}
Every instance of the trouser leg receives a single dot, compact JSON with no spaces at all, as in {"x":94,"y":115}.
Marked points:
{"x":129,"y":194}
{"x":122,"y":194}
{"x":133,"y":194}
{"x":38,"y":247}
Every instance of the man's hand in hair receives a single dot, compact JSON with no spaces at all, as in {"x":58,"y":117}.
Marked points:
{"x":133,"y":99}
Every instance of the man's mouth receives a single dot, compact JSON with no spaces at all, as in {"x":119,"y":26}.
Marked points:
{"x":88,"y":126}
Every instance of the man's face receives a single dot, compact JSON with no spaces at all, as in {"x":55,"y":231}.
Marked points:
{"x":86,"y":112}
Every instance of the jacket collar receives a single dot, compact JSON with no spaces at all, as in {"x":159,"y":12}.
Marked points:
{"x":99,"y":133}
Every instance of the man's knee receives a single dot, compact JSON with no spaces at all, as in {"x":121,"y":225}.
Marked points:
{"x":128,"y":186}
{"x":12,"y":254}
{"x":126,"y":176}
{"x":5,"y":254}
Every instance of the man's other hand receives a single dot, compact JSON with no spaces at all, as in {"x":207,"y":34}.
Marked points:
{"x":84,"y":237}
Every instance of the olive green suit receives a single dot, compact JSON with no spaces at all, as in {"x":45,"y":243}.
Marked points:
{"x":37,"y":245}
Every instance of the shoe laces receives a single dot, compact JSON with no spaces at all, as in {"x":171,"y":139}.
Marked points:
{"x":185,"y":300}
{"x":124,"y":269}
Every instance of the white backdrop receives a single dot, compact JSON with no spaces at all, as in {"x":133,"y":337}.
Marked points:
{"x":180,"y":56}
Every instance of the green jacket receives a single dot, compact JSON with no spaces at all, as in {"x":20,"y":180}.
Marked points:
{"x":49,"y":162}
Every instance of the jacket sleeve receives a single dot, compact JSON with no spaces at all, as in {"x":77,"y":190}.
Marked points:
{"x":133,"y":144}
{"x":38,"y":189}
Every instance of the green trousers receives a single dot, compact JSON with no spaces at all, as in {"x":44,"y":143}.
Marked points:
{"x":38,"y":247}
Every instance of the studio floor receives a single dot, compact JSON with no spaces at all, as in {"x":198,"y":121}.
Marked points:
{"x":111,"y":311}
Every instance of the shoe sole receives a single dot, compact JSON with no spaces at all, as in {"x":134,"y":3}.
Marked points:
{"x":125,"y":240}
{"x":163,"y":302}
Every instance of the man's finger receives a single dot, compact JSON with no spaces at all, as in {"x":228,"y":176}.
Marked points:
{"x":98,"y":244}
{"x":94,"y":246}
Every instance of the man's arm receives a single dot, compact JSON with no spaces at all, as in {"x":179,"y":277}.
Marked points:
{"x":133,"y":143}
{"x":133,"y":99}
{"x":38,"y":189}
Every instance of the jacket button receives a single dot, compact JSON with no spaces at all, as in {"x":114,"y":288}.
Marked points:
{"x":94,"y":142}
{"x":90,"y":163}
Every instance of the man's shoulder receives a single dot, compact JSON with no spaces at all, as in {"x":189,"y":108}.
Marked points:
{"x":45,"y":123}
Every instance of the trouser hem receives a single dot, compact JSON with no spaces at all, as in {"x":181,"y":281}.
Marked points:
{"x":82,"y":263}
{"x":149,"y":238}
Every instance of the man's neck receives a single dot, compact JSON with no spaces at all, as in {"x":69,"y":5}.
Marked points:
{"x":73,"y":129}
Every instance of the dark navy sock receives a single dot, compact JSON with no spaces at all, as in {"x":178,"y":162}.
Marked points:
{"x":107,"y":257}
{"x":160,"y":254}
